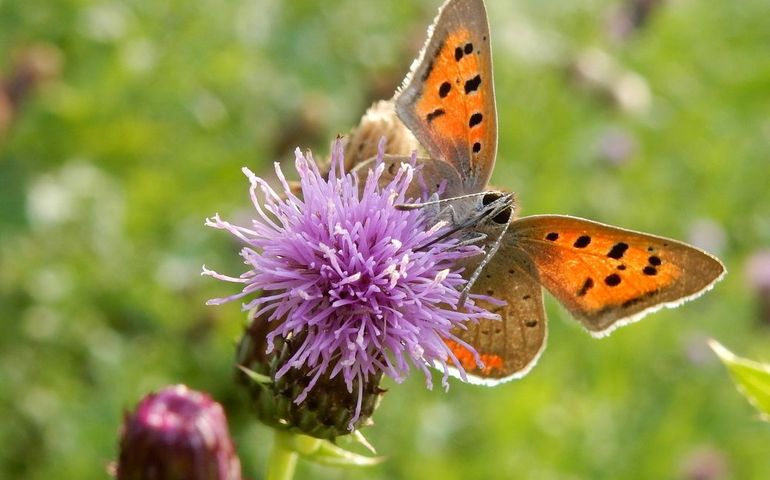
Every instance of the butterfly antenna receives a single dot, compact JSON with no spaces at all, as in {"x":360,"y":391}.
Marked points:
{"x":415,"y":206}
{"x":453,"y":230}
{"x":476,"y":273}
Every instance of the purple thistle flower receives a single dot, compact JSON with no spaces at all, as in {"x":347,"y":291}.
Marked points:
{"x":359,"y":279}
{"x":177,"y":433}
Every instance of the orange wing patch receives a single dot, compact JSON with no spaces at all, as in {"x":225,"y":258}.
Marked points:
{"x":493,"y":364}
{"x":600,"y":270}
{"x":452,"y":101}
{"x":606,"y":275}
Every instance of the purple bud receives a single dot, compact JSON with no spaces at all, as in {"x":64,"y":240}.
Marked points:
{"x":177,"y":434}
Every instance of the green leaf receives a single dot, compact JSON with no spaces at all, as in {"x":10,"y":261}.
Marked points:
{"x":331,"y":454}
{"x":323,"y":451}
{"x":256,"y":377}
{"x":752,"y":378}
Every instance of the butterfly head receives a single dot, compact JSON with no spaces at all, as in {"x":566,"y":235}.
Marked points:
{"x":497,"y":207}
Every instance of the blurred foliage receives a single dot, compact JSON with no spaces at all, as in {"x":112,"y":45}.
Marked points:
{"x":752,"y":378}
{"x":136,"y":131}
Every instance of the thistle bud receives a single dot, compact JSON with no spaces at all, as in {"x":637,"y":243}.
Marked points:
{"x":327,"y":411}
{"x":379,"y":123}
{"x":177,"y":434}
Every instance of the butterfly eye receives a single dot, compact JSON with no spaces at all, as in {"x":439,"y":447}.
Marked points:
{"x":490,"y":198}
{"x":503,"y":215}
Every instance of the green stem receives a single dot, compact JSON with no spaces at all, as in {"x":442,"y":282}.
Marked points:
{"x":283,"y":458}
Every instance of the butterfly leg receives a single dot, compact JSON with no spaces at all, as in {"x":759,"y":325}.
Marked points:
{"x":477,"y":272}
{"x":475,"y":240}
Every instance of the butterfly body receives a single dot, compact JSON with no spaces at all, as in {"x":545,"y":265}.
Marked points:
{"x":604,"y":276}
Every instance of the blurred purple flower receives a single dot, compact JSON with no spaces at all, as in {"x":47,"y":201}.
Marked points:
{"x":631,"y":17}
{"x":174,"y":434}
{"x":617,"y":146}
{"x":705,"y":462}
{"x":708,"y":234}
{"x":757,"y":273}
{"x":368,"y":287}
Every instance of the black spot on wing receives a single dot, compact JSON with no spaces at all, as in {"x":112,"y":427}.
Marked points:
{"x":618,"y":250}
{"x":650,"y":270}
{"x":458,"y":53}
{"x":429,"y":68}
{"x":612,"y":280}
{"x":552,"y":237}
{"x":476,"y":147}
{"x":444,"y":89}
{"x":587,"y":285}
{"x":475,"y":119}
{"x":468,"y":48}
{"x":473,"y":84}
{"x":654,"y":260}
{"x":582,"y":241}
{"x":434,"y":114}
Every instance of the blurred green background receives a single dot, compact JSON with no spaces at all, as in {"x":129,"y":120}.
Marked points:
{"x":125,"y":124}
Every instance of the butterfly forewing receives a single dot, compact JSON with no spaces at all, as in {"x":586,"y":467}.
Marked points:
{"x":447,"y":101}
{"x":509,"y":347}
{"x":607,"y":276}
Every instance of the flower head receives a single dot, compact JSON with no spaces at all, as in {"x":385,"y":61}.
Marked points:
{"x":177,"y":433}
{"x":367,"y":287}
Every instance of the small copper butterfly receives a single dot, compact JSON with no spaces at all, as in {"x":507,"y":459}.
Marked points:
{"x":605,"y":276}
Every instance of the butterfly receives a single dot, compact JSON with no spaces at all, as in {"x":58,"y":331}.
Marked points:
{"x":605,"y":276}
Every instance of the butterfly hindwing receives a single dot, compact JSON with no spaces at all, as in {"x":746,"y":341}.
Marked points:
{"x":607,"y":276}
{"x":447,"y":100}
{"x":509,"y":347}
